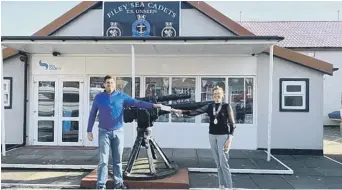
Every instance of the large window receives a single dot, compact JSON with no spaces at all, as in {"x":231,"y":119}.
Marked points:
{"x":207,"y":86}
{"x":239,"y":92}
{"x":240,"y":96}
{"x":183,"y":85}
{"x":158,"y":86}
{"x":294,"y":95}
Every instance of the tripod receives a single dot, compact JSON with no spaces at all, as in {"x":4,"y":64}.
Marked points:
{"x":145,"y":139}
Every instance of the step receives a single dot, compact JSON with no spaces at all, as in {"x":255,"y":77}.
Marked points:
{"x":179,"y":180}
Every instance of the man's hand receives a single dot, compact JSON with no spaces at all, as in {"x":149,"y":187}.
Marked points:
{"x":90,"y":136}
{"x":157,"y":105}
{"x":227,"y":144}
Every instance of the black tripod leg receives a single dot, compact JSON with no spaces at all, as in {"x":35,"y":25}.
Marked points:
{"x":149,"y":156}
{"x":136,"y":157}
{"x":162,"y":154}
{"x":154,"y":155}
{"x":133,"y":155}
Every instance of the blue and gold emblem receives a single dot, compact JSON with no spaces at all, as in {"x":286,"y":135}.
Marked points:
{"x":141,"y":27}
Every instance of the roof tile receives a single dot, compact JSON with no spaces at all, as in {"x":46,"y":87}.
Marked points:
{"x":300,"y":33}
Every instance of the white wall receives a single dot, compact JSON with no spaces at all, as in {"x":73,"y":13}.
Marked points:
{"x":14,"y":68}
{"x":193,"y":23}
{"x":332,"y":84}
{"x":188,"y":135}
{"x":296,"y":130}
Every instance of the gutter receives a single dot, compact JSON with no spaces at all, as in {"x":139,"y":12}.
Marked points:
{"x":23,"y":58}
{"x":133,"y":38}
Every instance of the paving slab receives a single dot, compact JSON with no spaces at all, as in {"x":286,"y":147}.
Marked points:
{"x":204,"y":153}
{"x":210,"y":180}
{"x":307,"y":171}
{"x":330,"y":172}
{"x":184,"y":153}
{"x":42,"y":177}
{"x":203,"y":180}
{"x":305,"y":181}
{"x":243,"y":181}
{"x":243,"y":163}
{"x":270,"y":182}
{"x":332,"y":182}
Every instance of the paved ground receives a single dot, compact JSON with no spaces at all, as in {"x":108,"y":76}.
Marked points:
{"x":333,"y":143}
{"x":187,"y":158}
{"x":311,"y":172}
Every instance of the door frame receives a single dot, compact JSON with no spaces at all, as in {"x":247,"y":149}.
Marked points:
{"x":60,"y":117}
{"x":34,"y":112}
{"x":58,"y":79}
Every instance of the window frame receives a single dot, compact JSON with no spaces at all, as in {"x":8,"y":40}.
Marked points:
{"x":9,"y":92}
{"x":143,"y":90}
{"x":283,"y":83}
{"x":226,"y":99}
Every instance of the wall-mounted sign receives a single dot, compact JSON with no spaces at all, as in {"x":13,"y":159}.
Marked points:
{"x":155,"y":18}
{"x":48,"y":66}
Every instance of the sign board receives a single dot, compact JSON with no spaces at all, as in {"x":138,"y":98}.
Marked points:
{"x":141,"y":19}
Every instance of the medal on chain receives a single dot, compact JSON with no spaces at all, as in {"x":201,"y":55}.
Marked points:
{"x":215,"y":112}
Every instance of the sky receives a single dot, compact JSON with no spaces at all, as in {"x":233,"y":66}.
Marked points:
{"x":22,"y":18}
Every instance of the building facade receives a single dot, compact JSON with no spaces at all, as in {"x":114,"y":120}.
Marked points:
{"x":318,"y":39}
{"x":60,"y":89}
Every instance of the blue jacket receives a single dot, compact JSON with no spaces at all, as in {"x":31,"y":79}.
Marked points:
{"x":110,"y":108}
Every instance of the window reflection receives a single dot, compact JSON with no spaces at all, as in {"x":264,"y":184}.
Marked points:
{"x":125,"y":84}
{"x":70,"y":131}
{"x":207,"y":86}
{"x":46,"y":98}
{"x":46,"y":131}
{"x":183,"y":85}
{"x":71,"y":99}
{"x":241,"y":98}
{"x":158,"y":86}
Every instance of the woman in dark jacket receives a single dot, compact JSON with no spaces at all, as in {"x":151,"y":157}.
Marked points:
{"x":221,"y":130}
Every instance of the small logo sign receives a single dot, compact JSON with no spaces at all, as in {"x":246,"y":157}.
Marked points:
{"x":168,"y":30}
{"x":48,"y":66}
{"x":141,"y":27}
{"x":113,"y":30}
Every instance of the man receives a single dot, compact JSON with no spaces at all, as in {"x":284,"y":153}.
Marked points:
{"x":110,"y":104}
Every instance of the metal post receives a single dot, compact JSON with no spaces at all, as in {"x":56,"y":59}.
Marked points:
{"x":270,"y":104}
{"x":133,"y":84}
{"x":341,"y":116}
{"x":2,"y":110}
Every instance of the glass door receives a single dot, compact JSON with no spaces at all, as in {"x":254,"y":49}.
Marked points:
{"x":45,"y":111}
{"x":70,"y":112}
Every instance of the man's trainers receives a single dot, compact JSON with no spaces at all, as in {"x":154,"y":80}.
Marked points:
{"x":121,"y":186}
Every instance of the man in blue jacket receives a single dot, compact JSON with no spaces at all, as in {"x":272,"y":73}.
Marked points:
{"x":110,"y":104}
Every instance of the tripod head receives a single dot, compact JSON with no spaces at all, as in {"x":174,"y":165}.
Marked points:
{"x":146,"y":117}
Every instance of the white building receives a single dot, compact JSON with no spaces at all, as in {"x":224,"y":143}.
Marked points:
{"x":51,"y":92}
{"x":318,"y":39}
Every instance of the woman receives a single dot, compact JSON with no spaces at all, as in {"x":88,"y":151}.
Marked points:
{"x":221,"y":130}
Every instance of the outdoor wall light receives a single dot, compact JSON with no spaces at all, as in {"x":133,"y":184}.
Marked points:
{"x":55,"y":53}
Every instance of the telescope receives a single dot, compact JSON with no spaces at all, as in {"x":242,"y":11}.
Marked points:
{"x":145,"y":119}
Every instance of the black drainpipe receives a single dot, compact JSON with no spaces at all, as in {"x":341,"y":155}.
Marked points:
{"x":23,"y":58}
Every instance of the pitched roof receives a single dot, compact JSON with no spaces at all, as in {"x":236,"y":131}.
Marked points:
{"x":203,"y":8}
{"x":300,"y":34}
